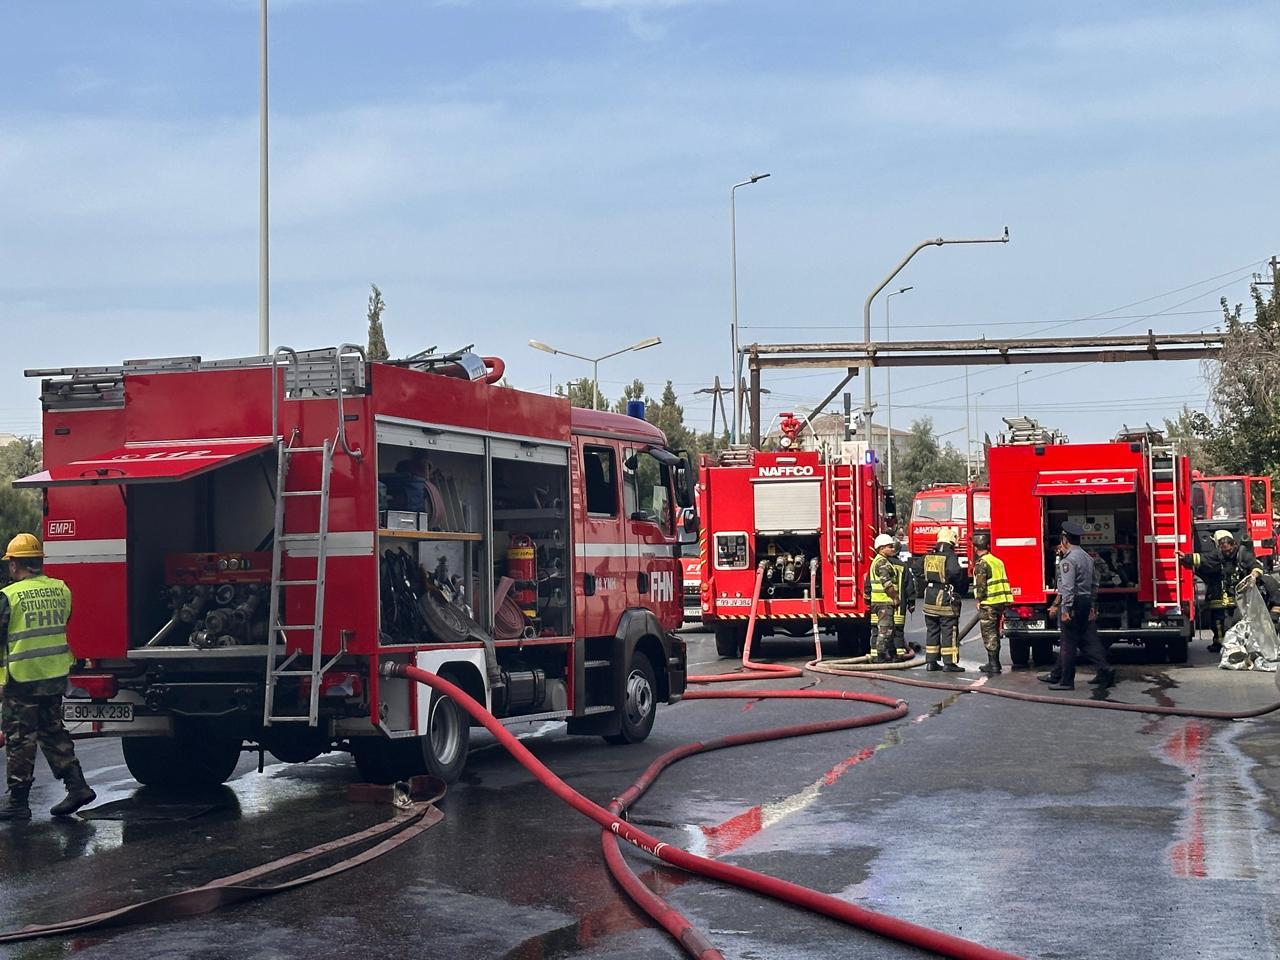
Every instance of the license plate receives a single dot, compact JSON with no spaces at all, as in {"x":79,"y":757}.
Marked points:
{"x":97,"y":712}
{"x":1034,"y":624}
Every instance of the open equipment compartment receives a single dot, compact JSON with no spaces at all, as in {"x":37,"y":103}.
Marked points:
{"x":199,"y":569}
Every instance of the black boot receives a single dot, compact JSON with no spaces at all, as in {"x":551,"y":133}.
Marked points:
{"x":1215,"y":647}
{"x":1105,"y":677}
{"x":933,"y":665}
{"x":15,"y":805}
{"x":992,"y":666}
{"x":79,"y":793}
{"x":950,"y":666}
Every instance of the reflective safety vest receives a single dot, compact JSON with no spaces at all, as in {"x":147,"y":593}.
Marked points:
{"x":998,"y":590}
{"x":36,"y":647}
{"x":939,"y":597}
{"x":878,"y":593}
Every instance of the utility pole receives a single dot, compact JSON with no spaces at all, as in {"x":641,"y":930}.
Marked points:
{"x":717,"y":400}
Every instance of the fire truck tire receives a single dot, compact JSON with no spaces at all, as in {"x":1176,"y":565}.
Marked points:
{"x":1020,"y":651}
{"x":383,"y":760}
{"x":853,"y":639}
{"x":1177,"y":650}
{"x":1042,"y":651}
{"x":730,"y":638}
{"x":448,"y":737}
{"x":181,"y":762}
{"x":639,"y":702}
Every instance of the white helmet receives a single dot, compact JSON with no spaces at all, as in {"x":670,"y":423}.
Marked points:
{"x":885,"y":540}
{"x":948,"y":535}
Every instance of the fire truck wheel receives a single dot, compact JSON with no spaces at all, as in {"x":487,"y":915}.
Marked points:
{"x":1042,"y":651}
{"x":444,"y":748}
{"x":730,"y":638}
{"x":1020,"y":651}
{"x":1177,"y":650}
{"x":181,"y":762}
{"x":639,"y":704}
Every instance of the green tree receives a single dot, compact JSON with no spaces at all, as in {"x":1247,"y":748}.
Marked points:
{"x":19,"y":509}
{"x":923,"y":461}
{"x":1244,"y":436}
{"x":1189,"y":430}
{"x":578,"y":392}
{"x":377,"y":349}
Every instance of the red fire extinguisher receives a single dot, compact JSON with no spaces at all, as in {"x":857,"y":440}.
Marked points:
{"x":522,"y":567}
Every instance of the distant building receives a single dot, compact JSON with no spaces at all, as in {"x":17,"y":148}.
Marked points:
{"x":8,"y":438}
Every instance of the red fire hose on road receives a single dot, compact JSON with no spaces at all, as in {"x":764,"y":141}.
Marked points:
{"x":615,"y":828}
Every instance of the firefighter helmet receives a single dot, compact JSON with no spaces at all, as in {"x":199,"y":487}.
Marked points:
{"x":1220,"y":535}
{"x":948,"y":535}
{"x":982,"y":540}
{"x":885,"y":540}
{"x":24,"y":546}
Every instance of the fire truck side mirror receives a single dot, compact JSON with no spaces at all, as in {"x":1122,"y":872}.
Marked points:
{"x":689,"y":520}
{"x":890,"y":504}
{"x":686,"y":480}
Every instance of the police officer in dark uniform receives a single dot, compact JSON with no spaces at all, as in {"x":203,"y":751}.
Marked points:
{"x":1074,"y":607}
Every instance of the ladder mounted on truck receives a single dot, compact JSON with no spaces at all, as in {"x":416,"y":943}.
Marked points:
{"x":1164,"y":494}
{"x":315,"y":374}
{"x":846,"y":508}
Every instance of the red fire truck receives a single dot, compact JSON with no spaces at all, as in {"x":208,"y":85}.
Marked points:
{"x":809,"y":522}
{"x":1132,"y":496}
{"x":248,"y":541}
{"x":1240,"y":504}
{"x":691,"y":569}
{"x":959,"y":505}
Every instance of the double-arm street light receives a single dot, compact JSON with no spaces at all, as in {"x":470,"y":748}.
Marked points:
{"x":595,"y":361}
{"x":888,"y":384}
{"x":866,"y":317}
{"x":733,"y":327}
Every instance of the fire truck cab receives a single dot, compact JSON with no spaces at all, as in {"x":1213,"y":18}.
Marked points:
{"x":1241,"y":504}
{"x":808,"y":523}
{"x":249,"y":541}
{"x":1132,"y":496}
{"x":963,"y":506}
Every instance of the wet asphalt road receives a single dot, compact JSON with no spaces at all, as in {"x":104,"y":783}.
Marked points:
{"x":1045,"y":831}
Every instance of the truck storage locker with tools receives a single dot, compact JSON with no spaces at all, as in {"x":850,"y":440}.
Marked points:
{"x":809,"y":522}
{"x":248,"y":541}
{"x":1132,"y":496}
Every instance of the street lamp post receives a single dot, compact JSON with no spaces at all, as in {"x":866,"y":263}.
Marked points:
{"x":264,"y":302}
{"x":733,"y":327}
{"x":1017,"y":390}
{"x":866,"y":316}
{"x":595,"y":361}
{"x":888,"y":385}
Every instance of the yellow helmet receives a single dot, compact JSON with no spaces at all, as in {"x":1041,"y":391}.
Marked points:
{"x":24,"y":546}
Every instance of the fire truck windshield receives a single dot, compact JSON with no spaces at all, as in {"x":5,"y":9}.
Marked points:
{"x":982,"y":509}
{"x":943,"y":508}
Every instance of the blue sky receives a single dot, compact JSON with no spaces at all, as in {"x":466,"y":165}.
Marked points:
{"x":559,"y":169}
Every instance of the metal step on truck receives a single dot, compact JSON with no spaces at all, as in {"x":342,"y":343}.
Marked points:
{"x":248,"y":541}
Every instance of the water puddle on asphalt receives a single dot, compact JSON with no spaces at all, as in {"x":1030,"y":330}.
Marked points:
{"x":1221,"y":819}
{"x":718,"y":839}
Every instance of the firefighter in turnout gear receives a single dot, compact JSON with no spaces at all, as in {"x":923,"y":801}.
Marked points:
{"x":887,"y":595}
{"x":34,"y":610}
{"x":943,"y":586}
{"x":991,"y":590}
{"x":1222,"y":572}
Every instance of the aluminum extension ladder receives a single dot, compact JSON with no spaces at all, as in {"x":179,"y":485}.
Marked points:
{"x":317,"y":374}
{"x":844,"y":517}
{"x":279,"y":632}
{"x":1164,"y":496}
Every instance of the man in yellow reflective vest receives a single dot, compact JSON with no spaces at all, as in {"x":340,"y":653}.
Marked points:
{"x":991,"y":590}
{"x":887,"y":594}
{"x":34,"y":610}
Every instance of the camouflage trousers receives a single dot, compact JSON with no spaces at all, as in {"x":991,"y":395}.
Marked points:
{"x":886,"y":632}
{"x":28,"y":721}
{"x":989,"y":618}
